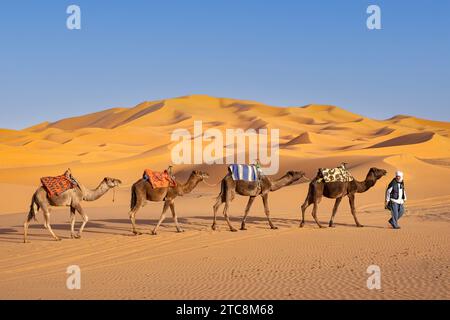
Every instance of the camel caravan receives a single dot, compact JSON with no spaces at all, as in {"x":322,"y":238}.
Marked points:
{"x":244,"y":180}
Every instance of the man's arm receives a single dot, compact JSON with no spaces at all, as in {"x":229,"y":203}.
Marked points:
{"x":388,"y":197}
{"x":388,"y":194}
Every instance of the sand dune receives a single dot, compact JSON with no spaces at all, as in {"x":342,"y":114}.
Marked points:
{"x":413,"y":138}
{"x":259,"y":264}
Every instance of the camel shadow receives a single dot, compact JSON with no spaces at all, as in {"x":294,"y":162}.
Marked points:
{"x":167,"y":223}
{"x":7,"y":231}
{"x":92,"y":224}
{"x":354,"y":225}
{"x":259,"y":222}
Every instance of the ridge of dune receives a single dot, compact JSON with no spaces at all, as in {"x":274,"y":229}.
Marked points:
{"x":440,"y":127}
{"x":412,"y":138}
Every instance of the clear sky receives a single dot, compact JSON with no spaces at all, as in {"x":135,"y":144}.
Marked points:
{"x":280,"y":52}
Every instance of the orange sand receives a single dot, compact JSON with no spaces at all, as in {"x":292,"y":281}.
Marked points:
{"x":289,"y":263}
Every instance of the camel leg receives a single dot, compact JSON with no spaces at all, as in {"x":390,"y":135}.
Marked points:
{"x":314,"y":213}
{"x":215,"y":208}
{"x":225,"y":214}
{"x":335,"y":208}
{"x":132,"y":215}
{"x":163,"y":216}
{"x":72,"y":222}
{"x":247,"y":210}
{"x":351,"y":199}
{"x":305,"y":206}
{"x":265,"y":198}
{"x":174,"y":215}
{"x":48,"y":226}
{"x":25,"y":229}
{"x":85,"y":220}
{"x":228,"y":199}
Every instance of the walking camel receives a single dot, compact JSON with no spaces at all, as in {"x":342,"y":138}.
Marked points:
{"x":252,"y":189}
{"x":338,"y":190}
{"x":143,"y":190}
{"x":70,"y":198}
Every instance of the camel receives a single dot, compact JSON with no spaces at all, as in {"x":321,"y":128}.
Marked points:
{"x":338,"y":190}
{"x":251,"y":189}
{"x":71,"y":198}
{"x":142,"y":190}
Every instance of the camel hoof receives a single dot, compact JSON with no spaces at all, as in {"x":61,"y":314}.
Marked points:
{"x":360,"y":226}
{"x":243,"y":228}
{"x":137,"y":233}
{"x":180,"y":230}
{"x":214,"y":227}
{"x":26,"y":241}
{"x":154,"y":233}
{"x":274,"y":228}
{"x":322,"y":227}
{"x":233,"y":230}
{"x":331,"y":225}
{"x":57,"y":239}
{"x":301,"y":225}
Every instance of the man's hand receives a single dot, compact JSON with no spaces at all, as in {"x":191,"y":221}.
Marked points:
{"x":386,"y":205}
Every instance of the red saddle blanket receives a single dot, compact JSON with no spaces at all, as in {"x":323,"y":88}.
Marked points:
{"x":56,"y":185}
{"x":159,"y":179}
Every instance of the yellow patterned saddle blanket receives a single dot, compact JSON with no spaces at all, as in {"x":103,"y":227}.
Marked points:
{"x":338,"y":174}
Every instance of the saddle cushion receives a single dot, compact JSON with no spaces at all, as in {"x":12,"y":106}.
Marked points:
{"x":159,"y":179}
{"x":244,"y":172}
{"x":57,"y":185}
{"x":339,"y":174}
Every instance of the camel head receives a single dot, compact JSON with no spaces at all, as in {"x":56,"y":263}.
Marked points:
{"x":111,"y":182}
{"x":199,"y":175}
{"x":377,"y":173}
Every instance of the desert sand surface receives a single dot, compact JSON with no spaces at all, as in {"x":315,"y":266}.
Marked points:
{"x":288,"y":263}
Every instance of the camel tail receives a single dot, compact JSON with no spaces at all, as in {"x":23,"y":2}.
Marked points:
{"x":133,"y":197}
{"x":34,"y":207}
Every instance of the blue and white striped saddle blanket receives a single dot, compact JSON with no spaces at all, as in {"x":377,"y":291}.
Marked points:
{"x":244,"y":172}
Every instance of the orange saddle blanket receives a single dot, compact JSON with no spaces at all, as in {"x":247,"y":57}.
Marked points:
{"x":56,"y":185}
{"x":159,"y":179}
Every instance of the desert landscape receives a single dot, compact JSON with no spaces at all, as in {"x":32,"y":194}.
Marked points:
{"x":260,"y":263}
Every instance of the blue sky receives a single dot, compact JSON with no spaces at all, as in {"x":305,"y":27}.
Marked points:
{"x":283,"y":52}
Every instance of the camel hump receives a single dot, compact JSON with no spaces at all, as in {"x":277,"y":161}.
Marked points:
{"x":159,"y":179}
{"x":55,"y":186}
{"x":338,"y":174}
{"x":244,"y":172}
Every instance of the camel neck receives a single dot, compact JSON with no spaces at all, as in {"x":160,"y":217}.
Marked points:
{"x":366,"y":184}
{"x":190,"y":184}
{"x":92,"y":195}
{"x":280,"y":183}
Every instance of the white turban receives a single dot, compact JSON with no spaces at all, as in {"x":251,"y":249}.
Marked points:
{"x":399,"y":174}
